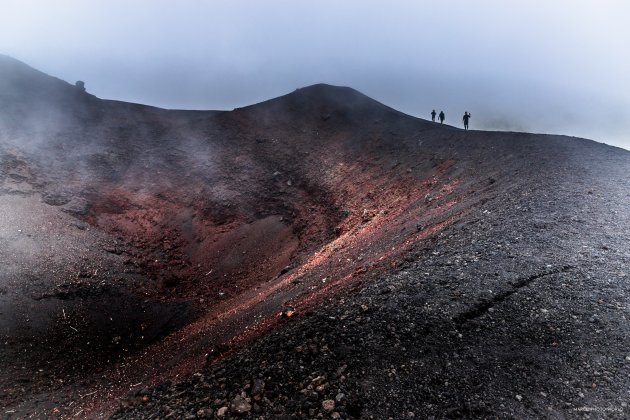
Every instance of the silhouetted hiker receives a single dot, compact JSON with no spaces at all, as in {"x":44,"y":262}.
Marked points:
{"x":441,"y":117}
{"x":465,"y":119}
{"x":433,"y":115}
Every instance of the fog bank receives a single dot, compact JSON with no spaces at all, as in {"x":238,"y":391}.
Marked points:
{"x":537,"y":66}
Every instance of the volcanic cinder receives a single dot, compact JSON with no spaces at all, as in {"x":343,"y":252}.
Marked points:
{"x":314,"y":254}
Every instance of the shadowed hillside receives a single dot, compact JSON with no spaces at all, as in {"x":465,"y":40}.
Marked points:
{"x":317,"y":253}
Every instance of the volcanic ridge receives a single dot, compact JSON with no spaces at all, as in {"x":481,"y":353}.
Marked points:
{"x":317,"y":255}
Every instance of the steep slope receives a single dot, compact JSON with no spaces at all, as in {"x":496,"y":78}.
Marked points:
{"x":518,"y":309}
{"x":176,"y":234}
{"x":208,"y":212}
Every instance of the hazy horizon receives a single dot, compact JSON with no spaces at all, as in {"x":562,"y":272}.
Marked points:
{"x":526,"y":66}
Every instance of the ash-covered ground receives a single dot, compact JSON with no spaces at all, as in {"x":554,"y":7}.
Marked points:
{"x":315,"y":255}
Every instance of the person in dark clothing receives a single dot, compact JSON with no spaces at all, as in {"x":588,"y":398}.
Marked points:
{"x":433,"y":115}
{"x":441,"y":117}
{"x":465,"y":119}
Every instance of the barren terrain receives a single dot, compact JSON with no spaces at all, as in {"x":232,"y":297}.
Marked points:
{"x":314,"y":255}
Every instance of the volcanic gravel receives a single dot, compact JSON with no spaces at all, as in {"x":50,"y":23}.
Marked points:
{"x":519,"y":310}
{"x":318,"y":255}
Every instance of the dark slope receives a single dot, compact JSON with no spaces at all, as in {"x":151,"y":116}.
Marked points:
{"x":200,"y":211}
{"x":517,"y":310}
{"x":462,"y":266}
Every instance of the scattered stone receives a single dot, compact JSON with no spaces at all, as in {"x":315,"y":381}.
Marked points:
{"x":204,"y":413}
{"x":240,"y":405}
{"x":310,"y":394}
{"x":221,"y":412}
{"x":367,"y":215}
{"x":519,"y":397}
{"x":321,"y":388}
{"x":258,"y":387}
{"x":287,"y":313}
{"x":318,"y":380}
{"x":328,"y":405}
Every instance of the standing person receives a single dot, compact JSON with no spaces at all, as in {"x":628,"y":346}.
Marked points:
{"x":441,"y":117}
{"x":465,"y":119}
{"x":433,"y":115}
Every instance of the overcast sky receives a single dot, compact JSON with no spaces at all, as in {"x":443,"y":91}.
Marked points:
{"x":535,"y":65}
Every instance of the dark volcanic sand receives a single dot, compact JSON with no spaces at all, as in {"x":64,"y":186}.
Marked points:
{"x":520,"y":309}
{"x":431,"y":271}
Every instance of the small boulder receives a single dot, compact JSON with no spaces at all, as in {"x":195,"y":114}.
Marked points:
{"x":240,"y":405}
{"x":328,"y":405}
{"x":204,"y":413}
{"x":258,"y":387}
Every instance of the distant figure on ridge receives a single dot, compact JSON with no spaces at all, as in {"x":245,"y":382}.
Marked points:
{"x":441,"y":117}
{"x":465,"y":119}
{"x":433,"y":113}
